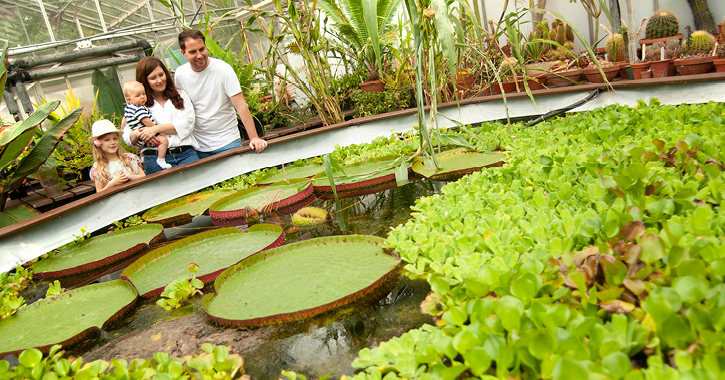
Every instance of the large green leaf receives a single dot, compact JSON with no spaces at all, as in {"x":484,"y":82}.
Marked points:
{"x":66,"y":318}
{"x":280,"y":197}
{"x":457,"y":163}
{"x":292,"y":172}
{"x":182,"y":210}
{"x":359,"y":179}
{"x":43,"y":149}
{"x":99,"y":251}
{"x":16,"y":214}
{"x":299,"y":280}
{"x":213,"y":251}
{"x":23,"y":131}
{"x":4,"y":67}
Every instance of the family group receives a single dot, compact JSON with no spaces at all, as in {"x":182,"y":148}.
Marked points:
{"x":173,"y":121}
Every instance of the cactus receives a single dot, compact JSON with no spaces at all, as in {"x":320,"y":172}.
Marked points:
{"x":662,"y":24}
{"x":654,"y":52}
{"x":615,"y":48}
{"x":569,"y":33}
{"x":701,"y":42}
{"x":673,"y":48}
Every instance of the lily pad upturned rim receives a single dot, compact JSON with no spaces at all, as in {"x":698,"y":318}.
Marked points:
{"x":180,"y":218}
{"x":263,"y":183}
{"x":363,"y":187}
{"x":299,"y":314}
{"x":236,"y":217}
{"x":85,"y":333}
{"x":455,"y":174}
{"x":209,"y":277}
{"x":87,"y":267}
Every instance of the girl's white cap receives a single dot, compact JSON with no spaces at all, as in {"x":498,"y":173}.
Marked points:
{"x":101,"y":127}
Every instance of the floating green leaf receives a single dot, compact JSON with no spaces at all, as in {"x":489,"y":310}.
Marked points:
{"x":99,"y":251}
{"x":281,"y":197}
{"x":458,"y":162}
{"x":213,"y":251}
{"x":181,"y":210}
{"x":66,"y":318}
{"x":292,"y":172}
{"x":363,"y":178}
{"x":299,"y":280}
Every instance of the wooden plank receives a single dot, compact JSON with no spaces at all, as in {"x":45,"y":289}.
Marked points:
{"x":36,"y":200}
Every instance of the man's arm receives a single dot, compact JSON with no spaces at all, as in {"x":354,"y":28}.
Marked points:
{"x":241,"y":106}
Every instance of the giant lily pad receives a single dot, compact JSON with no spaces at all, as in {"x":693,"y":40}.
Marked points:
{"x":99,"y":251}
{"x":299,"y":280}
{"x":280,"y":197}
{"x":456,"y":163}
{"x":66,"y":318}
{"x":181,"y":210}
{"x":213,"y":251}
{"x":289,"y":173}
{"x":368,"y":177}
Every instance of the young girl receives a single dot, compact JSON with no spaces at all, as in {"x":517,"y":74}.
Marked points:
{"x":113,"y":165}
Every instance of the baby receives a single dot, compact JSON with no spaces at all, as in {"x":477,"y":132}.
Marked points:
{"x":138,"y":116}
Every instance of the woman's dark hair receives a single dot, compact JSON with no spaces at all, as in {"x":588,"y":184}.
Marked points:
{"x":144,"y":67}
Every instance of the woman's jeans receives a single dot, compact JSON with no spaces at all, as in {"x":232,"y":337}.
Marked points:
{"x":232,"y":145}
{"x":174,"y":160}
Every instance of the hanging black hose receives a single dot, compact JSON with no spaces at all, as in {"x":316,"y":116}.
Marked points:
{"x":593,"y":94}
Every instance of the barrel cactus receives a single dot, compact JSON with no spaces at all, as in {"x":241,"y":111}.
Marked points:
{"x":615,"y":48}
{"x":662,"y":24}
{"x":701,"y":42}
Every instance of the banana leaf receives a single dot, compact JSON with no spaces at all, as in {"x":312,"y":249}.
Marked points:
{"x":4,"y":67}
{"x":300,"y":280}
{"x":42,"y":150}
{"x":15,"y":138}
{"x":16,"y":214}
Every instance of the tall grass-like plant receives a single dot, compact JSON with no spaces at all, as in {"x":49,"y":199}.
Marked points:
{"x":297,"y":30}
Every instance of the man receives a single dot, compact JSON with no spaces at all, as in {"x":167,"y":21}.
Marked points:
{"x":214,"y":89}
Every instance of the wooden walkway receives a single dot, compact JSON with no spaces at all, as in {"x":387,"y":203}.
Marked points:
{"x":30,"y":238}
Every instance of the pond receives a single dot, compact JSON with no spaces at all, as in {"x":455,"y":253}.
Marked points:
{"x":327,"y":343}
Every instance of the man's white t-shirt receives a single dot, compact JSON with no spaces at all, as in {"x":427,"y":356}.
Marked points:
{"x":209,"y":90}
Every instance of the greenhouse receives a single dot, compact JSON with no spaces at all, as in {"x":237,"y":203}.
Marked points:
{"x":368,"y":189}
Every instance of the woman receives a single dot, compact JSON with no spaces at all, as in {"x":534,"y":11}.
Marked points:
{"x":173,"y":112}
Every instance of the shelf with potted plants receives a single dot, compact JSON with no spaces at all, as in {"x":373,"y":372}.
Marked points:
{"x":697,"y":56}
{"x":660,"y":56}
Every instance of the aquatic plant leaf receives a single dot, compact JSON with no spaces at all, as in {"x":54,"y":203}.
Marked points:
{"x":299,"y":280}
{"x":458,"y":162}
{"x":213,"y":251}
{"x":280,"y":197}
{"x":16,"y":214}
{"x":66,"y":318}
{"x":290,"y":173}
{"x":368,"y":177}
{"x":181,"y":210}
{"x":99,"y":251}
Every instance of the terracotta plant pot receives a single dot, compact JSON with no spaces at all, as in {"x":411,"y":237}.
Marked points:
{"x":692,"y":66}
{"x":653,"y":40}
{"x":508,"y":87}
{"x":536,"y":81}
{"x":464,"y":82}
{"x":646,"y":74}
{"x":719,"y":64}
{"x":623,"y":70}
{"x":671,"y":70}
{"x":593,"y":75}
{"x":372,"y":86}
{"x":659,"y":69}
{"x":637,"y":69}
{"x":563,"y":78}
{"x":721,"y":31}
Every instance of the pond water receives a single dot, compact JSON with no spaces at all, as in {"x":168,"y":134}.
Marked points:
{"x":324,"y":344}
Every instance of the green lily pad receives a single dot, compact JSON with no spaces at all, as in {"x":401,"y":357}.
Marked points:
{"x":292,"y":172}
{"x":99,"y":251}
{"x":299,"y":280}
{"x":16,"y":214}
{"x":213,"y":251}
{"x":66,"y":318}
{"x":368,"y":177}
{"x":181,"y":210}
{"x":281,"y":197}
{"x":456,"y":163}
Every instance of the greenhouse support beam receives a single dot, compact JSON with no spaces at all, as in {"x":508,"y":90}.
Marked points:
{"x":24,"y":97}
{"x":63,"y":70}
{"x":30,"y":62}
{"x":10,"y":102}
